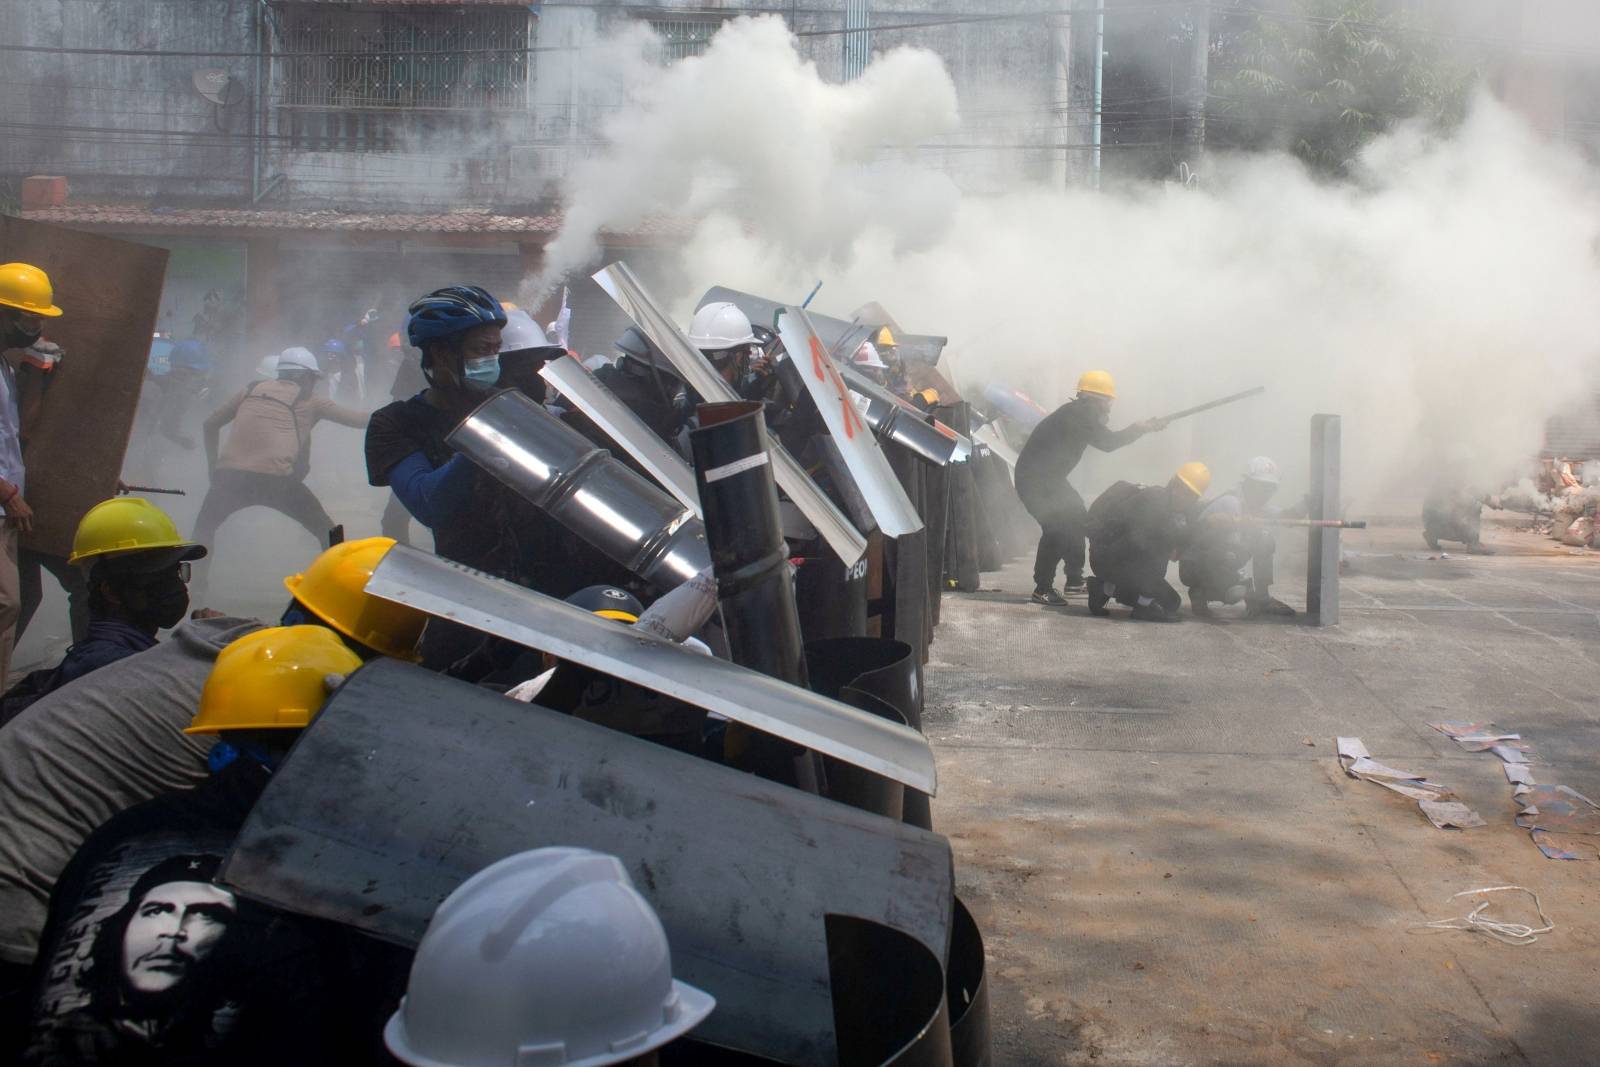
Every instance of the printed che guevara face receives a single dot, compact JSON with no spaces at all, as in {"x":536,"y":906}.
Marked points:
{"x":173,"y":929}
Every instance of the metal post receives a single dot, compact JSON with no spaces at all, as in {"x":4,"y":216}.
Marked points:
{"x":1322,"y":555}
{"x":1199,"y":84}
{"x":1099,"y":80}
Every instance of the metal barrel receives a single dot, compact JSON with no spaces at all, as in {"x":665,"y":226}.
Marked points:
{"x":585,"y":488}
{"x":749,"y":557}
{"x":884,"y":669}
{"x":889,"y":1002}
{"x":967,"y":991}
{"x":961,"y":532}
{"x":909,"y":611}
{"x":832,"y":598}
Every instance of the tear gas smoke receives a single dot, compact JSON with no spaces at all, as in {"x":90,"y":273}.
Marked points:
{"x":1443,"y":303}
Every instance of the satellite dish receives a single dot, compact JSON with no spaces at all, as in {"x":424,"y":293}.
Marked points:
{"x":212,"y":83}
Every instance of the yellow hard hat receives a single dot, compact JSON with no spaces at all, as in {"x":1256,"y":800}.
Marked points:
{"x":334,"y":588}
{"x":274,"y":679}
{"x":1099,"y":383}
{"x":1197,"y":476}
{"x":24,"y":286}
{"x":127,"y":524}
{"x":886,"y":337}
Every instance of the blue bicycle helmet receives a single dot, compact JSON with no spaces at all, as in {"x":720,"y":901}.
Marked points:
{"x":452,"y":310}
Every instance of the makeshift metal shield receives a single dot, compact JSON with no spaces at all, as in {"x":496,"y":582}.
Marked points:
{"x":477,"y":600}
{"x":409,"y":782}
{"x":560,"y":471}
{"x":898,"y":420}
{"x":618,"y":281}
{"x":869,"y":468}
{"x":619,"y":423}
{"x":110,"y":291}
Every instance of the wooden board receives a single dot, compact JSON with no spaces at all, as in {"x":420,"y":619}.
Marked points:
{"x":110,"y":291}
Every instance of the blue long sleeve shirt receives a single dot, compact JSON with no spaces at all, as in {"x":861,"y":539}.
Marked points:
{"x":432,"y":494}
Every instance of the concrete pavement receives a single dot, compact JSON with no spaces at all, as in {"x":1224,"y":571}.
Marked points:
{"x":1170,"y":867}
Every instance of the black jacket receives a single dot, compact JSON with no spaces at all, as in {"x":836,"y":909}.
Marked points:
{"x":1133,"y":533}
{"x":1058,"y":442}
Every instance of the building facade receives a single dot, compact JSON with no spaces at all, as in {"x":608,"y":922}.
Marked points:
{"x":311,"y":159}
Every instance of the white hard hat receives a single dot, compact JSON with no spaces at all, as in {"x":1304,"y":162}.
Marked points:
{"x":298,"y":358}
{"x":550,"y":957}
{"x":720,"y":325}
{"x":867,"y":356}
{"x":1263,"y":470}
{"x":268,"y":367}
{"x":520,"y":332}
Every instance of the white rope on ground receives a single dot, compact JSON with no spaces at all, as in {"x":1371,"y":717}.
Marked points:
{"x":1509,"y":933}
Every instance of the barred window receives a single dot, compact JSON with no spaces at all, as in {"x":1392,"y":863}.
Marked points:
{"x":342,"y":58}
{"x":681,"y":38}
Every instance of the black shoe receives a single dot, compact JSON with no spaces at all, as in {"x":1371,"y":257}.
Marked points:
{"x":1075,"y":584}
{"x":1199,"y":607}
{"x":1154,"y":613}
{"x":1097,"y":597}
{"x":1049,"y":598}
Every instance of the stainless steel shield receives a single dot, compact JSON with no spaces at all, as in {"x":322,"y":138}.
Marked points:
{"x":585,"y":488}
{"x":474,"y":599}
{"x":409,"y":782}
{"x":618,"y":281}
{"x":899,"y":420}
{"x":619,"y":423}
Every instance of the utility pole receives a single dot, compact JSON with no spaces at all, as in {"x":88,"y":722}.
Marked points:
{"x":1199,"y":79}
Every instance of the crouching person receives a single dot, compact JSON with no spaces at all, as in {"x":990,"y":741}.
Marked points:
{"x":1134,"y":532}
{"x":1224,"y":542}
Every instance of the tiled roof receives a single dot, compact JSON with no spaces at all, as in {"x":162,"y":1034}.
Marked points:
{"x":144,"y":218}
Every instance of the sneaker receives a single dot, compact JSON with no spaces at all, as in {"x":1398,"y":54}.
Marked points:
{"x":1049,"y":598}
{"x":1097,"y":597}
{"x":1075,"y":584}
{"x":1153,"y":613}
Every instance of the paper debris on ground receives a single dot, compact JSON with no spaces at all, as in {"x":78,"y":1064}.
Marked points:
{"x":1518,"y":773}
{"x":1509,"y":754}
{"x":1437,"y":801}
{"x":1556,"y":809}
{"x":1448,"y":813}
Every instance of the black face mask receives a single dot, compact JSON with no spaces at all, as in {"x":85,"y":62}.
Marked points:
{"x":160,"y":601}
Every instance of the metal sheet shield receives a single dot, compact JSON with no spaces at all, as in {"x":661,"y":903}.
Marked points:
{"x":893,"y":510}
{"x":620,"y":424}
{"x":472,"y":598}
{"x":620,"y":284}
{"x":409,"y":782}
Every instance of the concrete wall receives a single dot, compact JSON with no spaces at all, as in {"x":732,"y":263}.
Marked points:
{"x":128,"y":126}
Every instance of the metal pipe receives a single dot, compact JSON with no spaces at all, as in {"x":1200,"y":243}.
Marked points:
{"x":1208,"y":405}
{"x":755,"y":586}
{"x":584,"y":488}
{"x":733,"y":476}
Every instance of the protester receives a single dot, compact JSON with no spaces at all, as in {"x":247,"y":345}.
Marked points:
{"x":176,"y":968}
{"x":1053,"y":450}
{"x":551,"y":950}
{"x":267,"y":455}
{"x":1134,"y":532}
{"x":137,"y":569}
{"x":645,"y":380}
{"x":1226,"y":540}
{"x":26,"y":300}
{"x":116,"y":738}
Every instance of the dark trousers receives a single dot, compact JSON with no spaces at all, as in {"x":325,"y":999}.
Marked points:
{"x":233,"y":491}
{"x":1063,"y":522}
{"x":30,"y":571}
{"x":1210,"y":570}
{"x":1138,"y":584}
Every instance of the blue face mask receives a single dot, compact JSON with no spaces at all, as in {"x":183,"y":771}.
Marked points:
{"x":482,"y":373}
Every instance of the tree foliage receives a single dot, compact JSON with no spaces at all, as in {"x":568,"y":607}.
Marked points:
{"x":1320,"y":78}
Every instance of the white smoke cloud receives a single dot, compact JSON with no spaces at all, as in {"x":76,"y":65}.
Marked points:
{"x":749,"y":131}
{"x":1443,"y":303}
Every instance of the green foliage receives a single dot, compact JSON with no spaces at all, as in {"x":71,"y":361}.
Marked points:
{"x":1323,"y":77}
